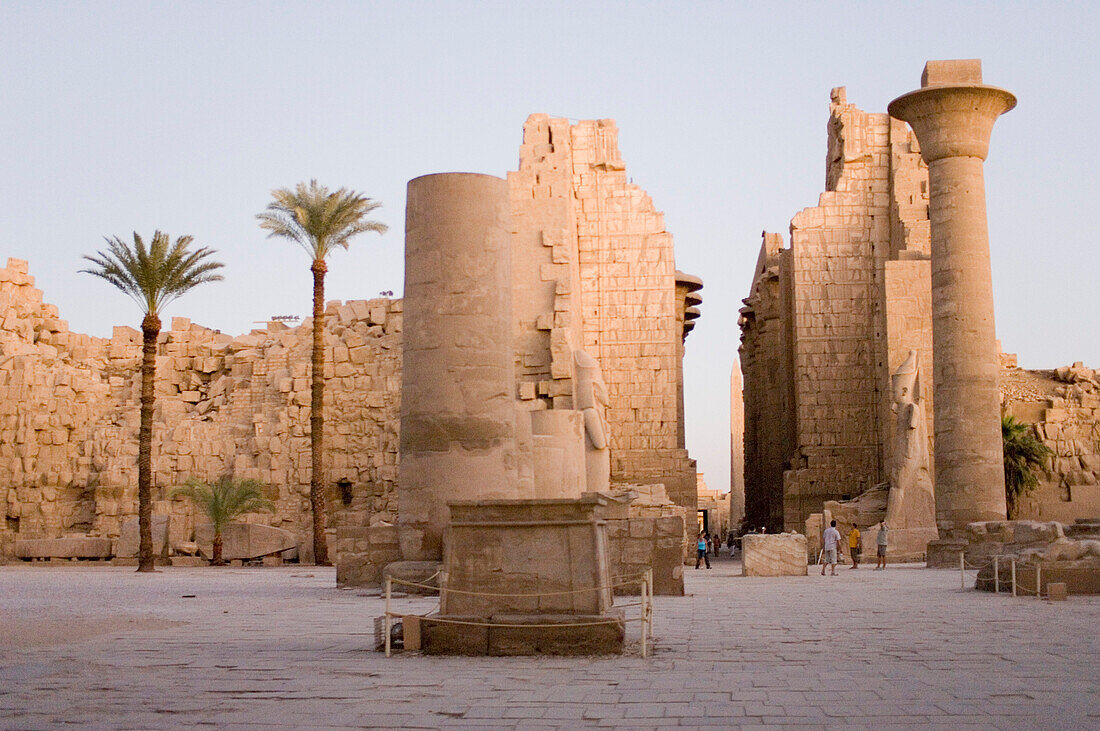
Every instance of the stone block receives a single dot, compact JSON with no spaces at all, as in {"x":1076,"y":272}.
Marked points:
{"x":357,"y":570}
{"x":952,"y":72}
{"x":414,"y":572}
{"x":68,"y":547}
{"x":245,"y":540}
{"x":128,"y":539}
{"x":454,"y":637}
{"x":1056,"y":591}
{"x":781,"y":554}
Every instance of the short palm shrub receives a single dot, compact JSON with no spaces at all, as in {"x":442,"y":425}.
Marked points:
{"x":1024,"y":455}
{"x":223,"y":500}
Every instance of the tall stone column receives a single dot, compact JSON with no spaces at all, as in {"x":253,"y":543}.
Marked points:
{"x":953,"y":115}
{"x":457,"y":403}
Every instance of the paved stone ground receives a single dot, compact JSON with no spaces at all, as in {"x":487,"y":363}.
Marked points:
{"x":109,"y":648}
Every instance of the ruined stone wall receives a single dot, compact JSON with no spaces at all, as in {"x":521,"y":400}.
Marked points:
{"x":1064,"y":411}
{"x":766,"y":358}
{"x":69,"y":415}
{"x":594,"y":268}
{"x":859,"y":301}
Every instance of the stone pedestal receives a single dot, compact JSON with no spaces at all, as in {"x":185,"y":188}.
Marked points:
{"x":778,"y":554}
{"x":526,"y":562}
{"x":952,"y":115}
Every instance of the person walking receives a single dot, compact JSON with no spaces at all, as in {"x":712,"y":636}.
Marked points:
{"x":855,"y":545}
{"x":880,"y":545}
{"x":701,"y":553}
{"x":831,"y":540}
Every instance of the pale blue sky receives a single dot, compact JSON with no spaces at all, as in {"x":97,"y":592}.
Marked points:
{"x":182,"y":116}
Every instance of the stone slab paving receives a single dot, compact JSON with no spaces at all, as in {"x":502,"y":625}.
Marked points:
{"x":105,"y":647}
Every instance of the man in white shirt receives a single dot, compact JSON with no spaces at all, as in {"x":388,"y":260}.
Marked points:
{"x":831,"y":540}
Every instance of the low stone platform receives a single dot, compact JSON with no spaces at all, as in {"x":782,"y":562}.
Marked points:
{"x":555,"y":634}
{"x":80,"y":547}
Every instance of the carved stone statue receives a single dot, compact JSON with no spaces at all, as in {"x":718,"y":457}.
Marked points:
{"x":911,"y":502}
{"x":590,"y":398}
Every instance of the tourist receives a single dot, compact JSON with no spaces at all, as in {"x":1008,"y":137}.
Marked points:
{"x":701,"y":554}
{"x":831,"y":540}
{"x":717,"y":543}
{"x":880,"y":545}
{"x":855,"y":545}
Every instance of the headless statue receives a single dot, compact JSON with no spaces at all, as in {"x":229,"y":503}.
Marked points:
{"x":590,"y":398}
{"x":912,"y":501}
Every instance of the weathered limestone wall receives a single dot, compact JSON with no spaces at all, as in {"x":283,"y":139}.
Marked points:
{"x":828,"y":320}
{"x":1063,"y":405}
{"x":69,"y":415}
{"x":766,"y":362}
{"x":592,"y":267}
{"x":737,"y":447}
{"x":595,"y":269}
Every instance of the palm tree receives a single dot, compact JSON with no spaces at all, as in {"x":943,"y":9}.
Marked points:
{"x":222,"y":501}
{"x":318,"y":221}
{"x":1023,"y":455}
{"x":153,"y":277}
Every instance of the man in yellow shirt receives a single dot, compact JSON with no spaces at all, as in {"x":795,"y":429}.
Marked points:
{"x":855,"y":545}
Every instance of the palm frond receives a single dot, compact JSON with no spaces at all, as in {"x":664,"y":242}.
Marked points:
{"x":318,"y":220}
{"x":226,"y":498}
{"x":155,"y":275}
{"x":1024,"y":455}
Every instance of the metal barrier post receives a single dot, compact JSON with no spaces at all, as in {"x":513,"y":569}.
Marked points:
{"x":962,"y":571}
{"x":1013,"y":576}
{"x":649,"y":608}
{"x":386,"y":621}
{"x":1038,"y":580}
{"x":996,"y":575}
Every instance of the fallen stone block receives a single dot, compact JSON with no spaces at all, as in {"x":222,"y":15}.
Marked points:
{"x":245,"y":540}
{"x":779,"y":554}
{"x":68,"y":547}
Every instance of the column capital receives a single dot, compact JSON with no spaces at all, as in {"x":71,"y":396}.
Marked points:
{"x":953,"y":112}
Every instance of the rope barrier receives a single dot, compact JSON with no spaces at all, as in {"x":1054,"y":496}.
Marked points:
{"x":402,"y":582}
{"x":995,"y":563}
{"x":645,"y":580}
{"x":471,"y":623}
